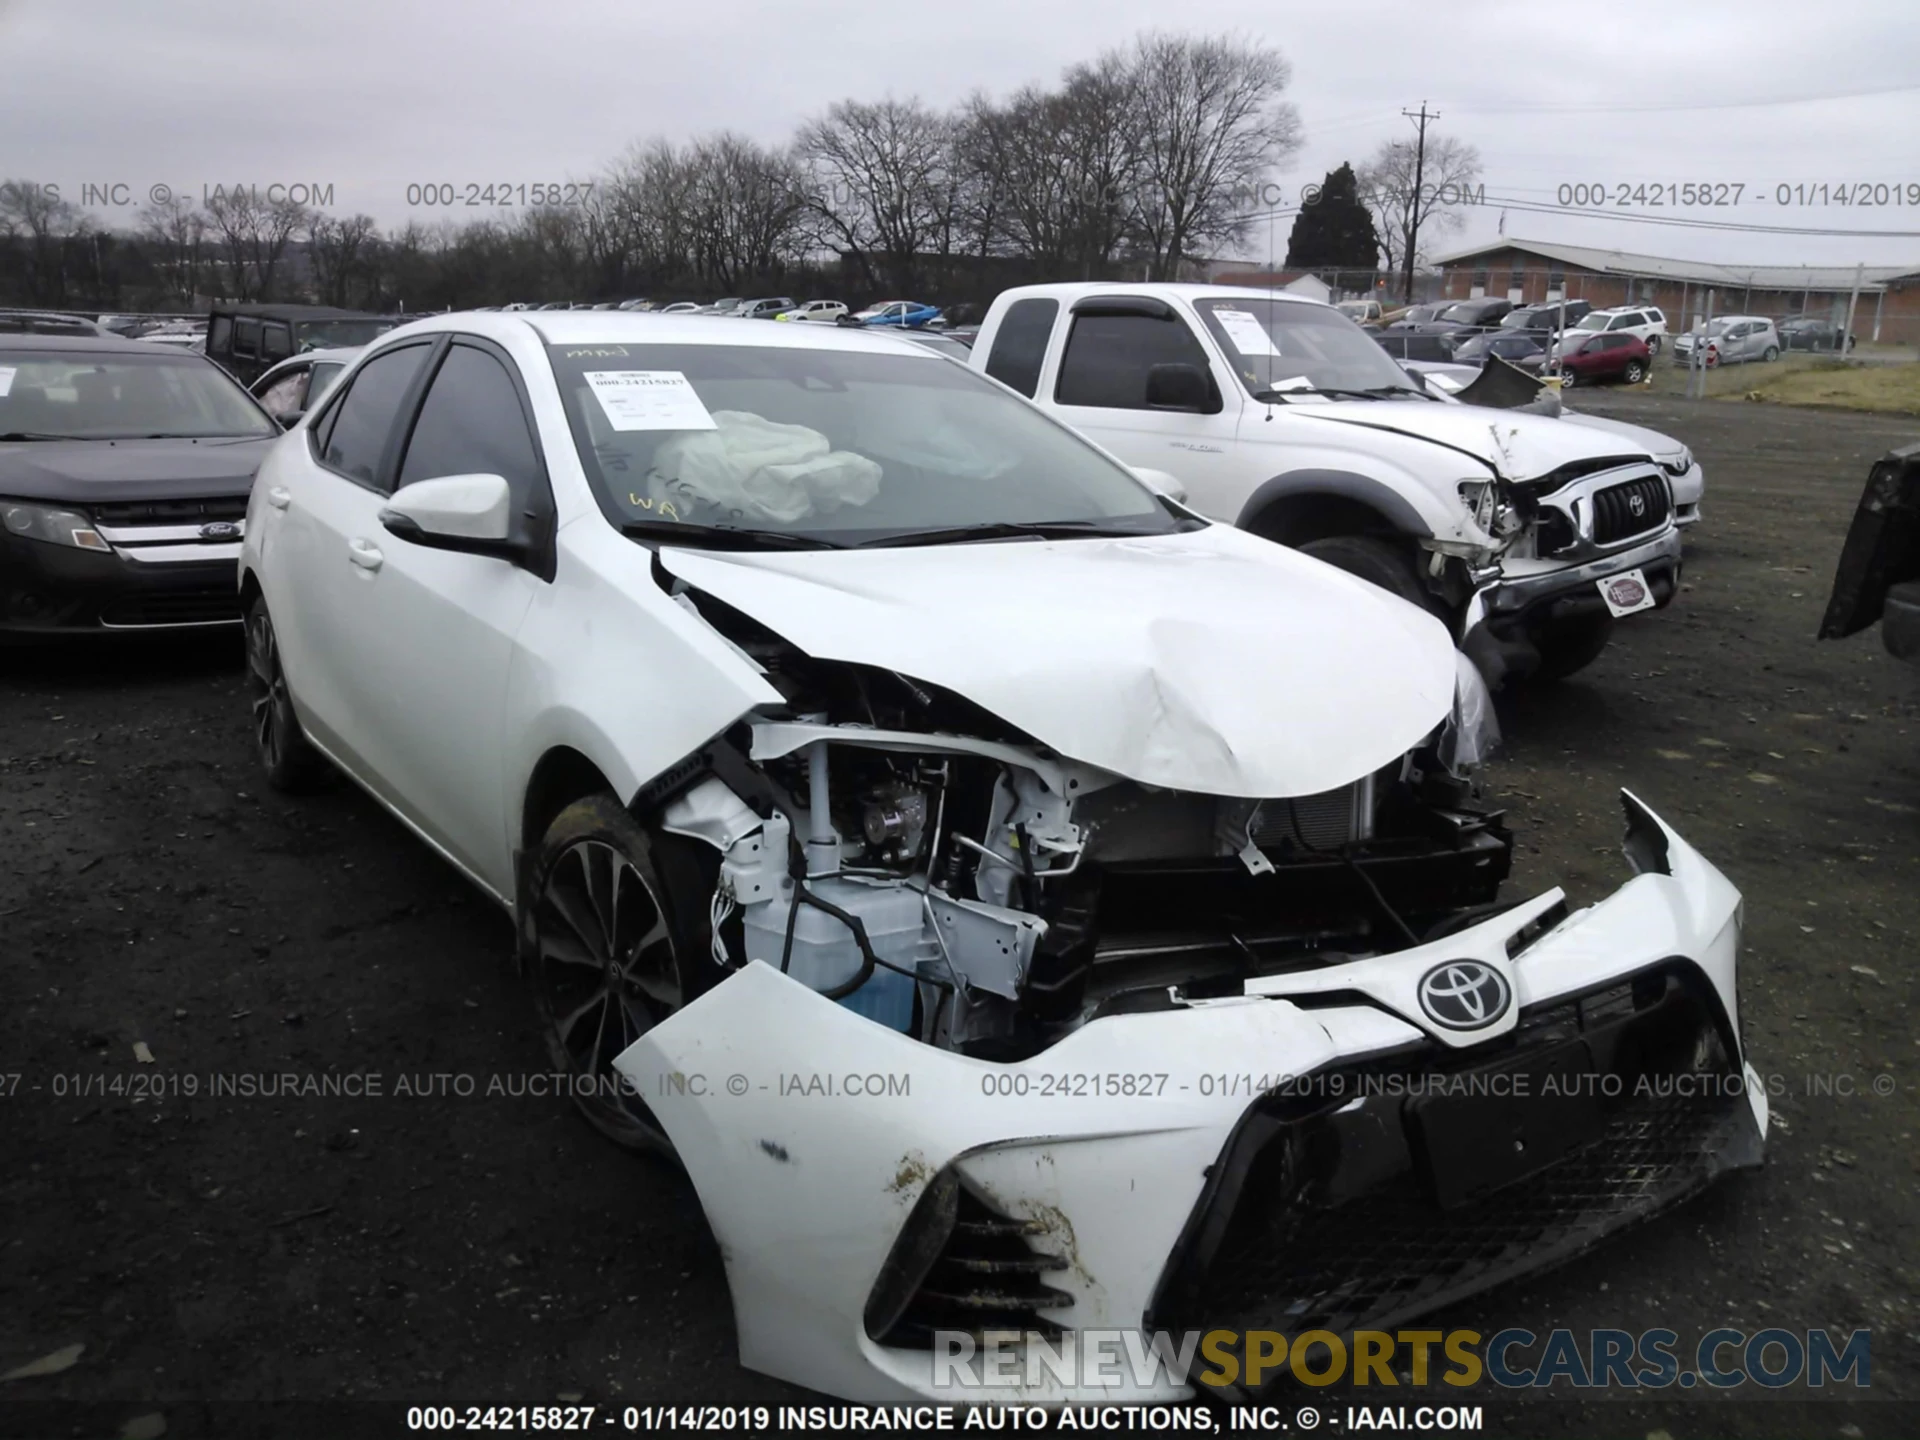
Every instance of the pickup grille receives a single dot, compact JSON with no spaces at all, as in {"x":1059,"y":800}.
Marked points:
{"x":1638,"y":506}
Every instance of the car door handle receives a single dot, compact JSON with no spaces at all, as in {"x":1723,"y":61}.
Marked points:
{"x":279,"y":497}
{"x":364,"y":553}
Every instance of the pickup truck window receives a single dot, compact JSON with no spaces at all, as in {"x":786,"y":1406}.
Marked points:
{"x":1020,"y":344}
{"x":1291,"y":344}
{"x":1109,"y":358}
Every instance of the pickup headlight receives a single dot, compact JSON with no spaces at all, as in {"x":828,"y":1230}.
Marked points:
{"x":54,"y":526}
{"x":1492,"y":514}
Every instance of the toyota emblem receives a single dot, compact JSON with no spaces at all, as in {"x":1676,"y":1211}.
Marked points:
{"x":1637,"y":504}
{"x":219,"y":530}
{"x":1464,"y":994}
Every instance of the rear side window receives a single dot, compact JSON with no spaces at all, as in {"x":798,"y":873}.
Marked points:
{"x":246,"y":337}
{"x":1020,"y":344}
{"x":471,"y":424}
{"x":1109,"y":358}
{"x":361,"y":424}
{"x":220,"y":336}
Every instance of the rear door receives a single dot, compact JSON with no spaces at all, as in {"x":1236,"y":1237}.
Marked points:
{"x":320,"y":586}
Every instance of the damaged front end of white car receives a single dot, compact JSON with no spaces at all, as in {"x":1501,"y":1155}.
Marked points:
{"x":1094,"y":982}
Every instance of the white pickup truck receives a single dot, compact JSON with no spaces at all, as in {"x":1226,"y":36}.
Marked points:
{"x":1530,"y":534}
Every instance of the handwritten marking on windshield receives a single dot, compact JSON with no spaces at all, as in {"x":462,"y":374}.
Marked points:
{"x":664,"y":507}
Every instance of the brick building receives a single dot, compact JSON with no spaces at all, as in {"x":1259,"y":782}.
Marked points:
{"x":1526,"y":270}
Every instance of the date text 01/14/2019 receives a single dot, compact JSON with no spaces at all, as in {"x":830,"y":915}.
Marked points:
{"x":1687,"y":194}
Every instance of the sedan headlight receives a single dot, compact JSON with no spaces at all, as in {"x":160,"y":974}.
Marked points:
{"x":1677,"y":465}
{"x":54,"y":526}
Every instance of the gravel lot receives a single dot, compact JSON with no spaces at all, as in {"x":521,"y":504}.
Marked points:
{"x":465,"y":1248}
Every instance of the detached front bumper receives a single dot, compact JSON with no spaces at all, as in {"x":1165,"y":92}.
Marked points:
{"x":867,"y":1190}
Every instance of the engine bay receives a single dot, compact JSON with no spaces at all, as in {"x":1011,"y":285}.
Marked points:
{"x":905,"y":853}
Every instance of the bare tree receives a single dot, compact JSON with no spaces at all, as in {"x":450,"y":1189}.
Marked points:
{"x":177,"y":233}
{"x":341,"y":254}
{"x":879,"y":181}
{"x":1388,"y":186}
{"x":1213,"y":127}
{"x":254,"y":233}
{"x":39,"y":227}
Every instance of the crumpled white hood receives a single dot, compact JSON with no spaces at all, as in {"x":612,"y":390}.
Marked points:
{"x":1522,"y":447}
{"x":1211,"y":661}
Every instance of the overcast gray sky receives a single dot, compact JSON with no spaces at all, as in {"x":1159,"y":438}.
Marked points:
{"x":368,"y":96}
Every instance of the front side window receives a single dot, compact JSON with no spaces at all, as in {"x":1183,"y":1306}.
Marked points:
{"x":471,"y":423}
{"x":120,"y":396}
{"x":1020,"y":344}
{"x":362,"y":423}
{"x":1110,"y":358}
{"x":1292,"y":347}
{"x":276,"y":342}
{"x":840,"y":446}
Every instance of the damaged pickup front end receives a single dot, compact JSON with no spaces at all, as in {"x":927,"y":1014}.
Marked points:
{"x":1097,"y":986}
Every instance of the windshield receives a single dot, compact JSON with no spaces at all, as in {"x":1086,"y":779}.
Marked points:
{"x":842,"y":447}
{"x":339,"y":334}
{"x":1597,"y":320}
{"x":1290,"y":345}
{"x":81,"y":396}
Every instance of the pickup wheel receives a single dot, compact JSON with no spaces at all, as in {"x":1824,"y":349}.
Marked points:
{"x":1572,"y":645}
{"x":609,"y":954}
{"x":1378,"y":562}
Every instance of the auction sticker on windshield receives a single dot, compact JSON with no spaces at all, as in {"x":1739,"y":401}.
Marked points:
{"x":1249,"y":336}
{"x":648,"y":400}
{"x":1626,"y":593}
{"x":6,"y":379}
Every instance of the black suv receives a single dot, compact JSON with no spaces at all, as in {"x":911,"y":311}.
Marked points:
{"x":250,"y":340}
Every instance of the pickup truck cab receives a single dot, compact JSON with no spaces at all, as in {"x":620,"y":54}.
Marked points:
{"x":1529,"y":535}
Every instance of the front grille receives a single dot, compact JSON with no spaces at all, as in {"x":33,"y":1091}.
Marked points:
{"x":1332,"y":1215}
{"x":985,"y":1277}
{"x":169,"y":512}
{"x":186,"y":607}
{"x":1614,"y":516}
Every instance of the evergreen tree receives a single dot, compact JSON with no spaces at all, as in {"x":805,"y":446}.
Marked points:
{"x":1336,"y":231}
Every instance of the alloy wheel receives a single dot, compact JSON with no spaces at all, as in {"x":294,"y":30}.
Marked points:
{"x":267,"y":684}
{"x":607,"y":972}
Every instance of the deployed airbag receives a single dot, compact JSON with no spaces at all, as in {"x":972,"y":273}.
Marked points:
{"x":758,"y":470}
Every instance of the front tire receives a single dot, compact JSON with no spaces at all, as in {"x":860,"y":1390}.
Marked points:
{"x":1567,"y":380}
{"x":609,"y":952}
{"x":291,"y":764}
{"x":1377,"y":561}
{"x":1572,"y":645}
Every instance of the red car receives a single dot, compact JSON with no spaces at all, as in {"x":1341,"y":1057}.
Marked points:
{"x":1603,"y":357}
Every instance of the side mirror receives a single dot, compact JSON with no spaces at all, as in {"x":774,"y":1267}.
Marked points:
{"x":470,"y":513}
{"x":1160,"y":482}
{"x":1177,"y":387}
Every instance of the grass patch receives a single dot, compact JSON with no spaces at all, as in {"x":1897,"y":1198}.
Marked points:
{"x":1835,"y":385}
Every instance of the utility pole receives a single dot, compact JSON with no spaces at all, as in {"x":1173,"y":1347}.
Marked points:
{"x":1853,"y":301}
{"x":1413,"y":215}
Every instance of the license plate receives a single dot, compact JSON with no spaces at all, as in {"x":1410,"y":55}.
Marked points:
{"x":1626,"y":593}
{"x":1505,"y":1124}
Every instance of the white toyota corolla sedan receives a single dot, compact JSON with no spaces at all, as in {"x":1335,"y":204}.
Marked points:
{"x":1026,"y":909}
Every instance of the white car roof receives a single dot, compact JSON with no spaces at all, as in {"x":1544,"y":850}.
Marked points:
{"x":611,"y":327}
